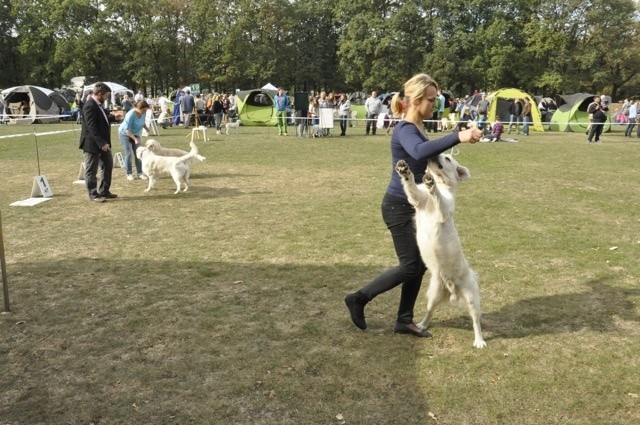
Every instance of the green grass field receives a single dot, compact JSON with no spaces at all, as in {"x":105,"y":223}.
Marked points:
{"x":224,"y":305}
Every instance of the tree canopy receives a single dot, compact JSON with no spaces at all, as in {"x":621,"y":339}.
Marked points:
{"x":540,"y":46}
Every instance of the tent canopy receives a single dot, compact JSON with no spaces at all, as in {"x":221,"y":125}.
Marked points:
{"x":572,"y":114}
{"x":33,"y":104}
{"x":269,"y":86}
{"x":255,"y":107}
{"x":499,"y":107}
{"x":117,"y":91}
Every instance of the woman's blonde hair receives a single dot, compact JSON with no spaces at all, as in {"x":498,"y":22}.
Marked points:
{"x":411,"y":92}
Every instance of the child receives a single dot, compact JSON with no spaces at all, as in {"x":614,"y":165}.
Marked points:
{"x":164,"y":119}
{"x":496,"y":132}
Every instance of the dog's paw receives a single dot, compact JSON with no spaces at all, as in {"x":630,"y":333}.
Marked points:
{"x":428,"y":179}
{"x":479,"y":343}
{"x":423,"y":325}
{"x":402,"y":168}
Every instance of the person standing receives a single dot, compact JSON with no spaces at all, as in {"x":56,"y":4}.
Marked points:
{"x":515,"y":110}
{"x":483,"y":111}
{"x":233,"y":110}
{"x":442,"y":102}
{"x":130,"y":135}
{"x":633,"y":114}
{"x":163,"y":102}
{"x":372,"y":107}
{"x":598,"y":113}
{"x":312,"y":115}
{"x":526,"y":116}
{"x":408,"y":142}
{"x":453,"y":108}
{"x":281,"y":103}
{"x":200,"y":110}
{"x":226,"y":104}
{"x":177,"y":112}
{"x":187,"y":104}
{"x":217,"y":109}
{"x":127,"y":105}
{"x":344,"y":110}
{"x":95,"y":142}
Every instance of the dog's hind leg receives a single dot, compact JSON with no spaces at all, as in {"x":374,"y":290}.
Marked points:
{"x":186,"y":180}
{"x":471,"y":293}
{"x":435,"y":295}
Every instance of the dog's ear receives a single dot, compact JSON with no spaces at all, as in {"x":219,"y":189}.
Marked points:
{"x":463,"y":172}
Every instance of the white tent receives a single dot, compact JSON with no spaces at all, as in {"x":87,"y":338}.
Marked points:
{"x":31,"y":104}
{"x":269,"y":86}
{"x":117,"y":91}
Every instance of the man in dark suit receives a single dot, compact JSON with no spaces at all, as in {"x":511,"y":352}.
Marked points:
{"x":95,"y":141}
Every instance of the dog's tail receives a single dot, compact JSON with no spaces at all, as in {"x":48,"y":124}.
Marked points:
{"x":451,"y":287}
{"x":193,"y":153}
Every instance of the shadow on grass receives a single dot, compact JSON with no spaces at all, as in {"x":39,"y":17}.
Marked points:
{"x":596,"y":308}
{"x":196,"y":175}
{"x":195,"y":193}
{"x":143,"y":341}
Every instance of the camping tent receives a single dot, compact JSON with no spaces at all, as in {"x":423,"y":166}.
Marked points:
{"x":117,"y":91}
{"x":255,"y":107}
{"x":41,"y":105}
{"x":572,"y":115}
{"x":500,"y":101}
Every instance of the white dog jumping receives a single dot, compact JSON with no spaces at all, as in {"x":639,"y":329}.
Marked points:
{"x":156,"y":166}
{"x":440,"y":247}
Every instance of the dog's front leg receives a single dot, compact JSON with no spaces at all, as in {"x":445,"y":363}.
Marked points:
{"x":438,"y":202}
{"x":152,"y":182}
{"x":408,"y":182}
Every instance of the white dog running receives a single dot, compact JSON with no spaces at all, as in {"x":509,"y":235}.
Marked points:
{"x":156,"y":166}
{"x":438,"y":239}
{"x":154,"y":146}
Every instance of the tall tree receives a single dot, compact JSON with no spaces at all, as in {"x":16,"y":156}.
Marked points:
{"x":10,"y":58}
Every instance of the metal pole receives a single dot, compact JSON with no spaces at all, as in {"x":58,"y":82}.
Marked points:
{"x":5,"y":287}
{"x":35,"y":135}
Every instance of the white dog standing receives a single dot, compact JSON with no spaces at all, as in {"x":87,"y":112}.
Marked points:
{"x":235,"y":124}
{"x":154,"y":146}
{"x":440,"y":247}
{"x":156,"y":166}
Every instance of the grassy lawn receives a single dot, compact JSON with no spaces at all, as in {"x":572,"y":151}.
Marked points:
{"x":224,"y":305}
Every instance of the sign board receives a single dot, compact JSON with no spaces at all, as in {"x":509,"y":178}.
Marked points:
{"x":41,"y":187}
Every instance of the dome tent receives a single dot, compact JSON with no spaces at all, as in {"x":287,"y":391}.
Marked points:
{"x":44,"y":105}
{"x":572,"y":115}
{"x":255,"y":107}
{"x":501,"y":100}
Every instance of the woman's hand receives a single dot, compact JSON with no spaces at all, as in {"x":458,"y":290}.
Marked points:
{"x":471,"y":135}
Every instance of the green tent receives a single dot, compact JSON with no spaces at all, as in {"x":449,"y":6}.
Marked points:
{"x":255,"y":107}
{"x":572,"y":115}
{"x":500,"y":101}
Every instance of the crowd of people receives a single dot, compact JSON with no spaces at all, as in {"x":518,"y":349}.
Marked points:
{"x":449,"y":113}
{"x":183,"y":108}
